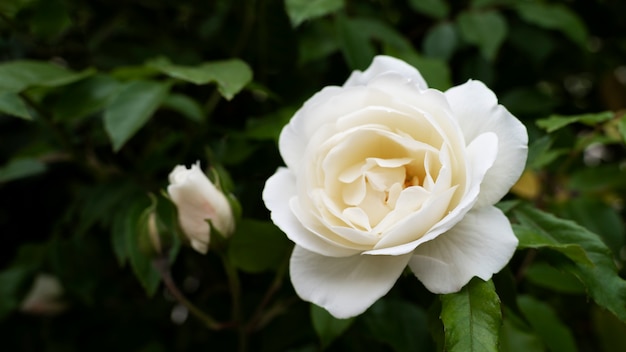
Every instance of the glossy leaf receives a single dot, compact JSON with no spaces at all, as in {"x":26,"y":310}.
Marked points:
{"x":302,"y":10}
{"x":16,"y":76}
{"x":547,"y":325}
{"x":20,"y":168}
{"x":556,"y":122}
{"x":231,"y":76}
{"x":599,"y":217}
{"x":327,"y":327}
{"x":487,"y":30}
{"x":131,"y":108}
{"x":472,"y":318}
{"x":531,"y":236}
{"x":601,"y":279}
{"x":541,"y":153}
{"x":559,"y":280}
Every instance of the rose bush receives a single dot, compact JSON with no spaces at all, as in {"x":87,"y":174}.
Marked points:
{"x":384,"y":172}
{"x":199,"y":201}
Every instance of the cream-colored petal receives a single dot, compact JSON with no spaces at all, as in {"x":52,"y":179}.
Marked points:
{"x":477,"y":110}
{"x":347,"y":286}
{"x":480,"y":245}
{"x":279,"y":195}
{"x":385,"y":64}
{"x":478,"y":164}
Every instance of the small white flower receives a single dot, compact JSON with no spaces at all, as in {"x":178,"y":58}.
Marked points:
{"x":198,"y":200}
{"x":44,"y":296}
{"x":384,"y":172}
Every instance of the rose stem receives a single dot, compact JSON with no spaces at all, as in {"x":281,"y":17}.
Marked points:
{"x":163,"y":267}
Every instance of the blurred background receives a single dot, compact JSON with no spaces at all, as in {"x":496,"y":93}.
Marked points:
{"x":74,"y":185}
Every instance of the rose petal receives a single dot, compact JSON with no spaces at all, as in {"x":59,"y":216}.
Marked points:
{"x":347,"y":286}
{"x":477,"y":111}
{"x":200,"y":246}
{"x":480,"y":245}
{"x":277,"y":195}
{"x":478,"y":164}
{"x":384,"y":64}
{"x":199,"y":200}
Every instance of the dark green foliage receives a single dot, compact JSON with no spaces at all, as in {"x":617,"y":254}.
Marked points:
{"x":99,"y":100}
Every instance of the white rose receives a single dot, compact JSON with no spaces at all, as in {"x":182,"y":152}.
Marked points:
{"x":198,"y":200}
{"x":384,"y":172}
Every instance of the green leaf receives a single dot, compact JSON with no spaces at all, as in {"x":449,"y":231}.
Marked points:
{"x":140,"y":260}
{"x":85,"y":97}
{"x":438,"y":9}
{"x":545,"y":275}
{"x":547,"y":325}
{"x":540,"y":155}
{"x":327,"y":327}
{"x":531,"y":236}
{"x":257,"y":246}
{"x":601,"y":280}
{"x":20,"y":168}
{"x":16,"y":76}
{"x":131,"y":108}
{"x":554,"y":16}
{"x":302,"y":10}
{"x":556,"y":122}
{"x":487,"y":30}
{"x":12,"y":104}
{"x":472,"y":317}
{"x":441,"y":41}
{"x":231,"y":76}
{"x":355,"y":43}
{"x":400,"y":324}
{"x":599,"y":217}
{"x":184,"y":105}
{"x":516,"y":336}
